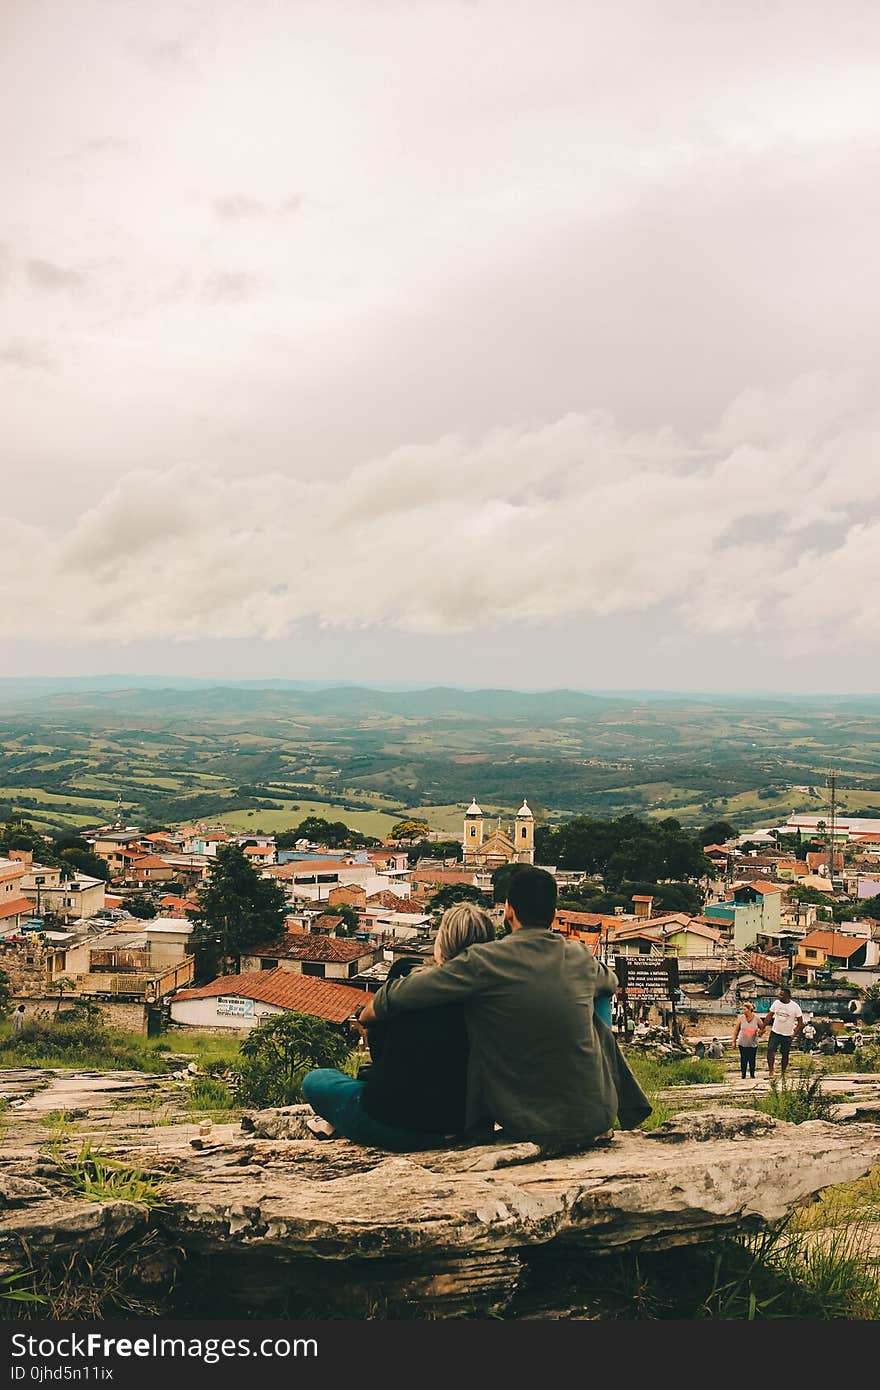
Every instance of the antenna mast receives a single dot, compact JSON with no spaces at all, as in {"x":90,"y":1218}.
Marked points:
{"x":832,"y":796}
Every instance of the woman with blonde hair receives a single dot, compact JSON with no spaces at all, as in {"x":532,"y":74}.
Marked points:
{"x":745,"y":1036}
{"x":412,"y":1095}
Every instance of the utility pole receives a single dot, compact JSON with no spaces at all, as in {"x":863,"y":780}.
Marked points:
{"x":832,"y":796}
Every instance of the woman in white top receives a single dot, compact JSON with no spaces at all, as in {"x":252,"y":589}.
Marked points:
{"x":745,"y":1036}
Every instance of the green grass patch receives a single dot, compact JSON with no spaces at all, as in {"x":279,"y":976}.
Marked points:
{"x":207,"y":1093}
{"x":843,"y":1204}
{"x":655,"y":1075}
{"x":799,"y":1096}
{"x":89,"y":1046}
{"x":103,"y":1179}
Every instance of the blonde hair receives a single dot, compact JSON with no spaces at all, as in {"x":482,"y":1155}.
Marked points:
{"x":461,"y":926}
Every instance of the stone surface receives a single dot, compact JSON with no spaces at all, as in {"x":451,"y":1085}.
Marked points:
{"x":449,"y":1230}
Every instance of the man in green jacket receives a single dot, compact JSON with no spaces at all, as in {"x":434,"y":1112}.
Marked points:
{"x":539,"y":1066}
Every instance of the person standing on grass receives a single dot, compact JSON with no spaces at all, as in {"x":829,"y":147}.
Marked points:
{"x":786,"y":1022}
{"x":745,"y":1036}
{"x":18,"y":1021}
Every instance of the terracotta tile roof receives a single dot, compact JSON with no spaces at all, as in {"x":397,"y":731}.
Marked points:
{"x":761,"y":886}
{"x":591,"y":920}
{"x":150,"y":861}
{"x":394,"y":902}
{"x":17,"y":908}
{"x":303,"y":993}
{"x":328,"y":921}
{"x":833,"y":943}
{"x":302,"y":945}
{"x":817,"y":858}
{"x":293,"y":867}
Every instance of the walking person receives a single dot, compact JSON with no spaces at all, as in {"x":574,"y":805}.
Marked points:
{"x":745,"y":1037}
{"x":786,"y":1022}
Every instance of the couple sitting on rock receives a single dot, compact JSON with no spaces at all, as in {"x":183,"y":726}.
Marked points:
{"x":498,"y":1034}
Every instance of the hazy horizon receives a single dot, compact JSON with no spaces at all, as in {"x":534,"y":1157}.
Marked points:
{"x":175,"y":679}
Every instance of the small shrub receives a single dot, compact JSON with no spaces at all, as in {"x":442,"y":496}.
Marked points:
{"x":797,"y":1098}
{"x":277,"y":1055}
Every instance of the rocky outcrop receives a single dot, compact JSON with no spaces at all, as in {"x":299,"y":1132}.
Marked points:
{"x":447,"y":1231}
{"x":267,"y":1214}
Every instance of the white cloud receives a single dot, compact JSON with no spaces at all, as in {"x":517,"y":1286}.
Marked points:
{"x":521,"y":528}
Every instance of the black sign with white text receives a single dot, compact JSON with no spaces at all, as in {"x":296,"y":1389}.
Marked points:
{"x":649,"y":979}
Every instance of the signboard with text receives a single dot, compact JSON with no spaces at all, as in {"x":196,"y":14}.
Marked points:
{"x":647,"y":979}
{"x":233,"y":1004}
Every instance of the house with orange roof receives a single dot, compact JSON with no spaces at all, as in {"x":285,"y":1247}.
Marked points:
{"x":828,"y":950}
{"x":149,"y":869}
{"x":243,"y":1002}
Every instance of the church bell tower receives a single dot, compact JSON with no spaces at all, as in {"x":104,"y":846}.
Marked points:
{"x":524,"y":835}
{"x":473,"y":830}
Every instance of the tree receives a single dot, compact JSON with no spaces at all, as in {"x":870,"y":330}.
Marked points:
{"x":236,"y":911}
{"x":448,"y":894}
{"x":74,"y":850}
{"x":5,"y":993}
{"x":870,"y":907}
{"x":409,"y":830}
{"x":277,"y":1055}
{"x":139,"y":905}
{"x":871,"y":1005}
{"x":718,"y":833}
{"x":334,"y":834}
{"x":433,"y":849}
{"x":64,"y":986}
{"x":350,"y":919}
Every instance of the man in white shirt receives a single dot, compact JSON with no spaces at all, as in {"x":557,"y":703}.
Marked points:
{"x":786,"y":1021}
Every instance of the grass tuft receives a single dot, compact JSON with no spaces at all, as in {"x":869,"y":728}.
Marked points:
{"x":103,"y":1179}
{"x":799,"y":1096}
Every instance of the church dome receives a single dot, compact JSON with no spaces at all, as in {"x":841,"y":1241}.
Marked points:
{"x":473,"y":809}
{"x":524,"y":813}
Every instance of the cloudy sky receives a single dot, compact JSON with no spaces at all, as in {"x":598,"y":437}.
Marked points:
{"x":475,"y":341}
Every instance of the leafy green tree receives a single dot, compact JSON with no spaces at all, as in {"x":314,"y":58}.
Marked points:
{"x":433,"y":849}
{"x":5,"y":993}
{"x":276,"y":1056}
{"x":350,"y":918}
{"x":451,"y":893}
{"x":237,"y":909}
{"x":717,"y":833}
{"x":19,"y":834}
{"x":625,"y":849}
{"x":334,"y":834}
{"x":409,"y":830}
{"x":60,"y":987}
{"x":75,"y":851}
{"x":871,"y":1004}
{"x":139,"y":905}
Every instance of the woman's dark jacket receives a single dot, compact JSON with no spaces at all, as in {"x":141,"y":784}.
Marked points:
{"x":418,"y":1076}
